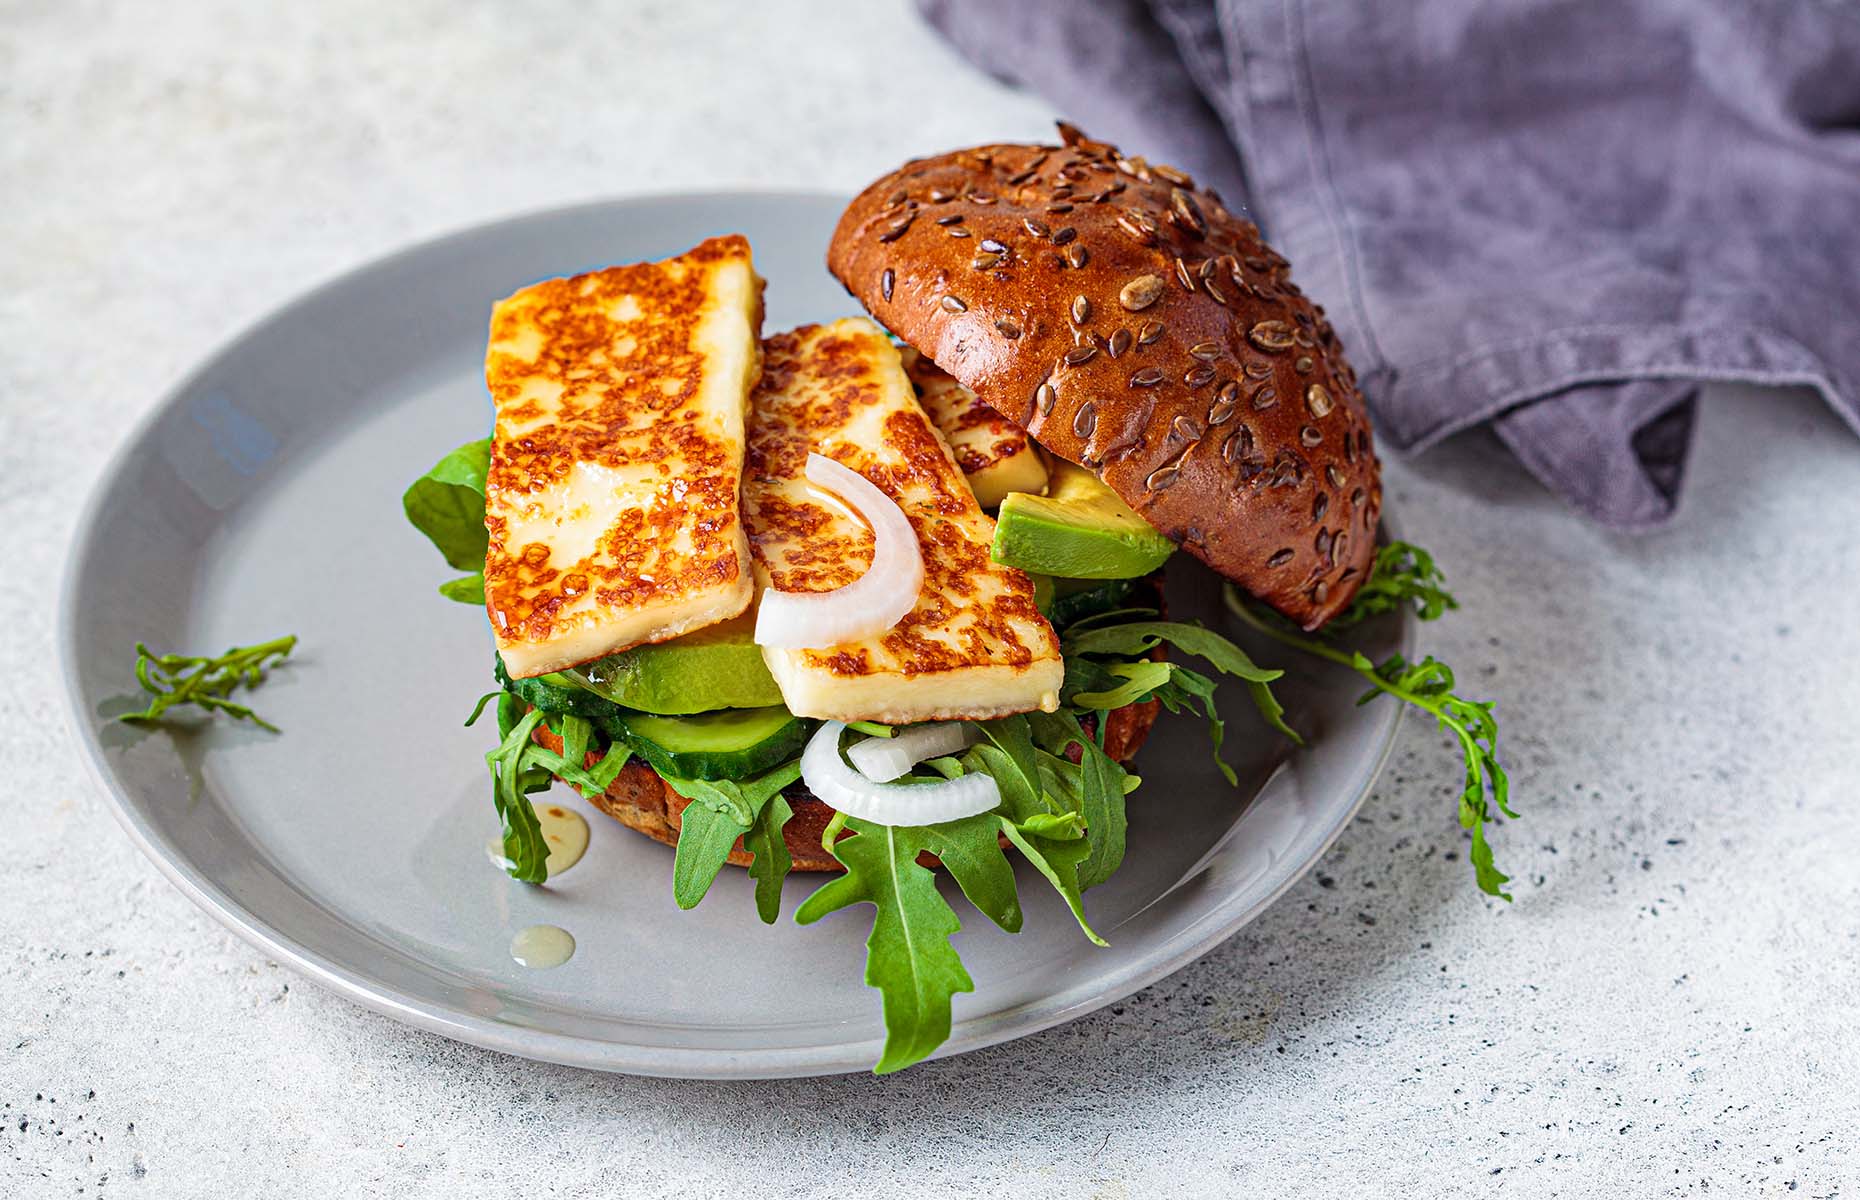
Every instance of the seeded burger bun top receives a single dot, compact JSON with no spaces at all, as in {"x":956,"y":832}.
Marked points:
{"x":1136,"y":327}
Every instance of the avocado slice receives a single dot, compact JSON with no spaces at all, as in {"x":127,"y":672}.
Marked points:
{"x":1079,"y":529}
{"x":719,"y":666}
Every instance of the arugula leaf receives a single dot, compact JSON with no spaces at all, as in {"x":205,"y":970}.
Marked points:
{"x":1191,"y":691}
{"x":1081,"y":600}
{"x":706,"y":836}
{"x":1272,"y":711}
{"x":1138,"y":638}
{"x":722,"y":810}
{"x":512,"y":779}
{"x":575,"y":733}
{"x":908,"y":955}
{"x":510,"y":710}
{"x":1111,"y":617}
{"x":771,"y":862}
{"x":570,"y":765}
{"x":1140,"y":678}
{"x":589,"y":781}
{"x":1088,"y":676}
{"x":971,"y":852}
{"x":477,"y":710}
{"x":467,"y":589}
{"x":1428,"y":686}
{"x":603,"y":773}
{"x":1101,"y":791}
{"x":946,"y":766}
{"x":1007,"y":754}
{"x":206,"y":682}
{"x":1061,"y":827}
{"x":1402,"y":574}
{"x":1094,"y":787}
{"x":521,"y":766}
{"x":1058,"y":859}
{"x":447,"y":505}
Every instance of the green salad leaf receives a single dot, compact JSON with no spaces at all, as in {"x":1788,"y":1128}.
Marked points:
{"x":1094,"y":788}
{"x":1427,"y":685}
{"x":1058,"y":859}
{"x":722,"y":810}
{"x":971,"y":851}
{"x":1135,"y":639}
{"x":447,"y":505}
{"x":908,"y":955}
{"x":570,"y":766}
{"x":1403,"y":574}
{"x":1007,"y":753}
{"x":467,"y":589}
{"x":206,"y":683}
{"x":520,"y":767}
{"x":771,"y":862}
{"x":514,"y":777}
{"x":706,"y":836}
{"x":1138,"y":680}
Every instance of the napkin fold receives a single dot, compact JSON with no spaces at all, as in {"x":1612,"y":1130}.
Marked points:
{"x":1556,"y":219}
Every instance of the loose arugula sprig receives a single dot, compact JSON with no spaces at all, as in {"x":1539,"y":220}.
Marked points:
{"x":1404,"y":575}
{"x":206,"y":682}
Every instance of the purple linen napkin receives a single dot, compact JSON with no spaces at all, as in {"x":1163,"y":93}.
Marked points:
{"x":1559,"y":218}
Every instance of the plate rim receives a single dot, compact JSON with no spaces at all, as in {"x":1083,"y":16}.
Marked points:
{"x":686,"y":1062}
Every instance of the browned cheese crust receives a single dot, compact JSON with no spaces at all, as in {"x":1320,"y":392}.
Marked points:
{"x":1133,"y":325}
{"x":978,"y":436}
{"x":640,"y":800}
{"x":840,"y":391}
{"x":610,"y":373}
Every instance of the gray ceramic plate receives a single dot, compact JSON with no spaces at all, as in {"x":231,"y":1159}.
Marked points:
{"x":263,"y":497}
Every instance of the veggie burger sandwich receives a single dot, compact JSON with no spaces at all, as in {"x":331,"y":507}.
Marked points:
{"x":822,"y":601}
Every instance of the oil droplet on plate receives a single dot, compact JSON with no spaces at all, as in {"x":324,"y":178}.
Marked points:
{"x":563,"y":829}
{"x":566,"y":831}
{"x":542,"y":946}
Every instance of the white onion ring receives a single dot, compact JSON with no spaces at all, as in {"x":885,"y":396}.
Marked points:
{"x":870,"y":604}
{"x":846,"y":790}
{"x":883,"y":759}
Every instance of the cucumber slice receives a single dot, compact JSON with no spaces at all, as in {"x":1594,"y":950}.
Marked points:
{"x":733,"y":743}
{"x":556,"y":693}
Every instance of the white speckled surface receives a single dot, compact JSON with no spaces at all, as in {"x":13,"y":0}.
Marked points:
{"x":1672,"y":1006}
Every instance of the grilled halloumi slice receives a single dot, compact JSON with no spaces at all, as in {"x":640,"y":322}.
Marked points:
{"x":995,"y":454}
{"x":975,"y":645}
{"x":612,"y":501}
